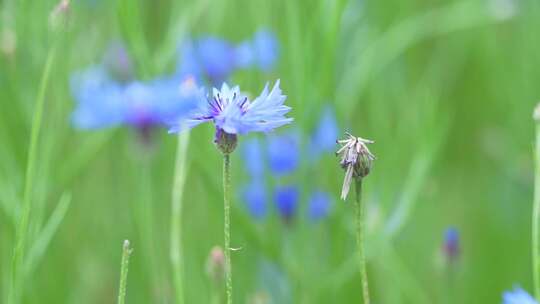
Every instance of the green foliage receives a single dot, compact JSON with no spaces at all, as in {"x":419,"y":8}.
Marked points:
{"x":446,"y":89}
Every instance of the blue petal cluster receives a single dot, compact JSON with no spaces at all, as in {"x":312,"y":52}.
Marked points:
{"x":286,"y":198}
{"x":319,"y":205}
{"x":283,"y":157}
{"x":232,"y":112}
{"x":518,"y":296}
{"x":106,"y":96}
{"x":214,"y":59}
{"x":283,"y":153}
{"x":254,"y":194}
{"x":253,"y":158}
{"x":323,"y":139}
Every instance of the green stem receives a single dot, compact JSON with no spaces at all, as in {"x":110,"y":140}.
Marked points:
{"x":176,"y":215}
{"x":359,"y":208}
{"x":126,"y":252}
{"x":227,"y":224}
{"x":22,"y":229}
{"x":536,"y":218}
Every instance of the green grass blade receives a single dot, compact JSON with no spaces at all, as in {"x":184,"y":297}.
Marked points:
{"x":40,"y":246}
{"x":176,"y":215}
{"x":22,"y":230}
{"x":124,"y":265}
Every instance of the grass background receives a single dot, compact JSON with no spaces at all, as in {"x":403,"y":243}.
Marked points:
{"x":446,"y":88}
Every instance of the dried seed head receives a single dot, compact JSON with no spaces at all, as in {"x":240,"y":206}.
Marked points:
{"x":356,"y":160}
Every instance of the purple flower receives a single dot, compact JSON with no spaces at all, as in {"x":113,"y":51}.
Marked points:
{"x":451,"y":246}
{"x":518,"y":296}
{"x":253,"y":157}
{"x":103,"y":103}
{"x":319,"y":205}
{"x":233,"y":113}
{"x":286,"y":200}
{"x":254,"y":196}
{"x":283,"y":153}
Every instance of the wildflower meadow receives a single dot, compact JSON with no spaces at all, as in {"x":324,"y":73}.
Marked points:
{"x":269,"y":152}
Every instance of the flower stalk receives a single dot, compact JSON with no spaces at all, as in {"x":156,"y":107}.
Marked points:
{"x":175,"y":253}
{"x":124,"y":265}
{"x":536,"y":209}
{"x":227,"y":224}
{"x":357,"y":160}
{"x":359,"y":217}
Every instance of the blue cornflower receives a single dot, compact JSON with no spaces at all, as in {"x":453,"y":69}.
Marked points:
{"x":215,"y":59}
{"x":266,"y":49}
{"x":319,"y":205}
{"x":451,"y":243}
{"x":262,"y":51}
{"x":283,"y":153}
{"x":103,"y":103}
{"x":286,"y":200}
{"x":254,"y":195}
{"x":253,"y":158}
{"x":208,"y":57}
{"x":326,"y":133}
{"x":518,"y":296}
{"x":233,"y":113}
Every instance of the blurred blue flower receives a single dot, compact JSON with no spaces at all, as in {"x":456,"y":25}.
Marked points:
{"x":253,"y":157}
{"x":103,"y":103}
{"x":262,"y":51}
{"x":283,"y":153}
{"x":319,"y":205}
{"x":286,"y":200}
{"x":325,"y":135}
{"x":233,"y":113}
{"x":254,"y":196}
{"x":266,"y":49}
{"x":451,"y":246}
{"x":208,"y":57}
{"x":215,"y":59}
{"x":518,"y":296}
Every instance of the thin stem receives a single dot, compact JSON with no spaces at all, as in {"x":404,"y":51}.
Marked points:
{"x":175,"y":253}
{"x":124,"y":265}
{"x":227,"y":224}
{"x":22,"y":229}
{"x":359,"y":212}
{"x":536,"y":218}
{"x":145,"y":222}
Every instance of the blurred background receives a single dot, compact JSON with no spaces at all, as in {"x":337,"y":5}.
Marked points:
{"x":445,"y":88}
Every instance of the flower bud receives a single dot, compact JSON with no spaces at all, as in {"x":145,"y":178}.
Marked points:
{"x":451,"y":245}
{"x":59,"y":15}
{"x":225,"y":142}
{"x":215,"y":265}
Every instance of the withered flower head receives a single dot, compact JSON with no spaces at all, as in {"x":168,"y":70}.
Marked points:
{"x":356,"y":160}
